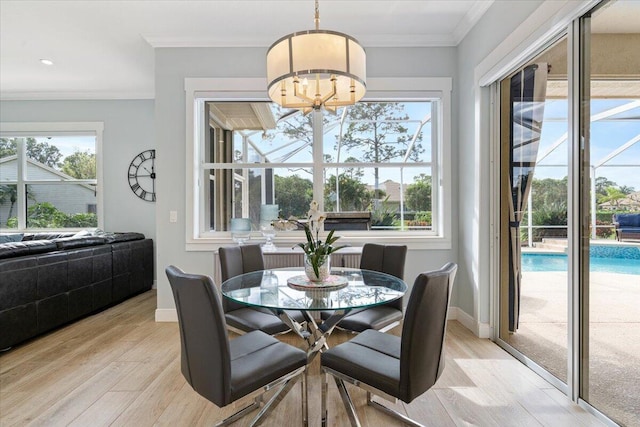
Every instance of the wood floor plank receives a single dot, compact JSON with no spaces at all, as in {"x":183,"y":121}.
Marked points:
{"x":152,"y":401}
{"x":428,"y":410}
{"x":464,"y":408}
{"x":105,"y":410}
{"x":184,"y":409}
{"x":121,"y":368}
{"x":583,"y":417}
{"x":45,"y":391}
{"x":67,"y":409}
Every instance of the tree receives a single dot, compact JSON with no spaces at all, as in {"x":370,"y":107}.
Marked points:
{"x":613,"y":196}
{"x":548,"y":192}
{"x":41,"y":152}
{"x":80,"y":165}
{"x":293,"y":195}
{"x":602,"y":183}
{"x":418,"y":194}
{"x":376,"y":133}
{"x":354,"y":195}
{"x":9,"y":194}
{"x":45,"y":215}
{"x":298,"y":127}
{"x":626,"y":189}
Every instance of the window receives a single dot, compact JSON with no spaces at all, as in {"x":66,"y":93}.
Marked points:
{"x":379,"y":168}
{"x":49,"y":175}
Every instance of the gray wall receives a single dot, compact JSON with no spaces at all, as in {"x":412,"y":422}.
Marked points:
{"x":173,"y":65}
{"x":128,"y":130}
{"x":130,"y":127}
{"x":472,"y":280}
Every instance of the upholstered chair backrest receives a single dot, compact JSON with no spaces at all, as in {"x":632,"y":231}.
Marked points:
{"x":237,"y":260}
{"x":424,"y":330}
{"x":205,"y":356}
{"x":386,"y":259}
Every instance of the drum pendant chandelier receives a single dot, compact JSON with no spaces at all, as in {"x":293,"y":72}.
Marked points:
{"x":316,"y":69}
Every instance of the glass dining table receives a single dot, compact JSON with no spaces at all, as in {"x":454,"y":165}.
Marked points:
{"x":283,"y":290}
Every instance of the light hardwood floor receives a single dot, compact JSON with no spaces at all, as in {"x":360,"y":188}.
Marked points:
{"x":121,"y":368}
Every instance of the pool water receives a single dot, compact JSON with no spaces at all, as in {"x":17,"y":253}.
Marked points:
{"x":558,"y":262}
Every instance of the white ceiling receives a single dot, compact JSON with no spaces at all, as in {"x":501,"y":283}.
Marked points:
{"x":104,"y":49}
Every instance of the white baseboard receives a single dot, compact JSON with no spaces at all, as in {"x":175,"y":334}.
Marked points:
{"x":166,"y":315}
{"x":481,"y":330}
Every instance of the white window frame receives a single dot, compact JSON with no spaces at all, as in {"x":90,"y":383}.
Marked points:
{"x":35,"y":129}
{"x":199,"y":90}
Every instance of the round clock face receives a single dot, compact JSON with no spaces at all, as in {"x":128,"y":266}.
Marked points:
{"x":142,"y":175}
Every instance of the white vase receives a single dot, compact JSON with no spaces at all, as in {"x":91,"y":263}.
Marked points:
{"x":324,"y":269}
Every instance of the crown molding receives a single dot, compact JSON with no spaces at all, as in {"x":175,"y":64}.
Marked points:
{"x":470,"y":19}
{"x":372,"y":40}
{"x":73,"y":96}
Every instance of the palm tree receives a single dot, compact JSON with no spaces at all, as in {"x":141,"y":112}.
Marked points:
{"x":8,"y":193}
{"x":614,"y":195}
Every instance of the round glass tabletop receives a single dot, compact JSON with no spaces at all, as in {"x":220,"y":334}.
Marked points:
{"x":283,"y":288}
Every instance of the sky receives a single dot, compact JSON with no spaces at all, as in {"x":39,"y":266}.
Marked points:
{"x":606,"y":136}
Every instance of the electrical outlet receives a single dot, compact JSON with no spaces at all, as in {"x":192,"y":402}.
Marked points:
{"x":173,"y":216}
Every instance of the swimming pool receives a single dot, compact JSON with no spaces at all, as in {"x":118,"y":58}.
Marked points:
{"x":622,"y":260}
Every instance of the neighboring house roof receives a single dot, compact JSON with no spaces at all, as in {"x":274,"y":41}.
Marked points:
{"x":391,"y":189}
{"x":7,"y":173}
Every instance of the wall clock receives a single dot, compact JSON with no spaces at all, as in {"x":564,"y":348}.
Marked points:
{"x":142,"y":175}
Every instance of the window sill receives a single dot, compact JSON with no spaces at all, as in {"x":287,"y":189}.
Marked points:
{"x":209,"y":244}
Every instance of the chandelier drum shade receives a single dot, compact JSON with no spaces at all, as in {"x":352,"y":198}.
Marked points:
{"x":316,"y":69}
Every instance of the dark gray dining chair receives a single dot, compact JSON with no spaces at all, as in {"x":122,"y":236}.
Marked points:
{"x":223,"y":370}
{"x":236,"y":260}
{"x":395,"y":367}
{"x":388,"y":259}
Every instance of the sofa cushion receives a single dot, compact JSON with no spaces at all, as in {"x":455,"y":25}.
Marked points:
{"x":52,"y":274}
{"x":123,"y":237}
{"x":627,"y":220}
{"x":40,"y":246}
{"x":30,"y":247}
{"x":10,"y":238}
{"x":18,"y":283}
{"x":12,"y":250}
{"x":47,"y":235}
{"x":79,"y":242}
{"x":18,"y":324}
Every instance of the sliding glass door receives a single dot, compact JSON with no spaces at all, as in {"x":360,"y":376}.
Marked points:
{"x":610,"y":98}
{"x":569,"y":283}
{"x":534,"y":170}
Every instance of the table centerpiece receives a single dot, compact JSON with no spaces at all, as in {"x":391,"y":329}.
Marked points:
{"x":317,"y":254}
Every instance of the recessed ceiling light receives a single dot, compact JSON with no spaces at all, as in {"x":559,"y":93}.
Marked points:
{"x":46,"y":61}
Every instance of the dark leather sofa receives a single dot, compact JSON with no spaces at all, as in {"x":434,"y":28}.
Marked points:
{"x":50,"y":279}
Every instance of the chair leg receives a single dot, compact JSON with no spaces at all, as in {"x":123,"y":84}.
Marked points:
{"x":392,"y":413}
{"x":323,"y":409}
{"x":241,"y":413}
{"x":348,"y":404}
{"x":305,"y":398}
{"x":274,"y":401}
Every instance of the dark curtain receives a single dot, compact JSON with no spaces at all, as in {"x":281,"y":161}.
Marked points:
{"x":528,"y":91}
